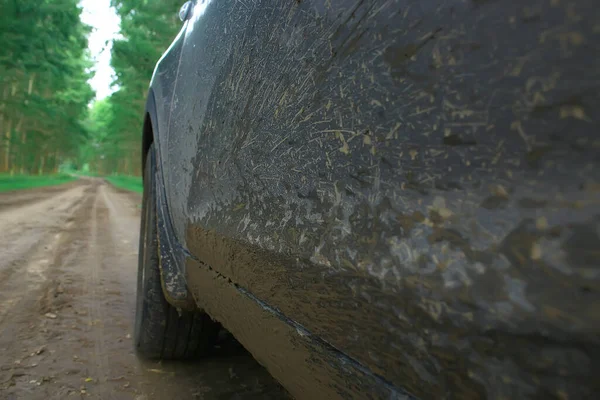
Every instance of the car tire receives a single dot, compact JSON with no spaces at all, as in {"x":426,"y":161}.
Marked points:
{"x":161,"y":330}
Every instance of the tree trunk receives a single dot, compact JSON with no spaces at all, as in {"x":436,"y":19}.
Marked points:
{"x":7,"y":151}
{"x":19,"y":161}
{"x":55,"y":166}
{"x":2,"y":107}
{"x":30,"y":86}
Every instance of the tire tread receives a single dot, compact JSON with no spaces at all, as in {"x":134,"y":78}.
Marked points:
{"x":161,"y":331}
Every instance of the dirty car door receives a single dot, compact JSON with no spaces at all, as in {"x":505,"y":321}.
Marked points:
{"x":412,"y":181}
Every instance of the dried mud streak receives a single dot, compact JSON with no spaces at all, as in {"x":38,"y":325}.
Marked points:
{"x":89,"y":284}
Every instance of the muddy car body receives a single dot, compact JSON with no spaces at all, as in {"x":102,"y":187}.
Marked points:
{"x":385,"y":199}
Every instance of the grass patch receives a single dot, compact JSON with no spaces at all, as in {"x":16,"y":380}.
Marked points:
{"x":132,"y":183}
{"x":17,"y":182}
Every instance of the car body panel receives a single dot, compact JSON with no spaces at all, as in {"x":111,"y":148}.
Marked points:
{"x":162,"y":90}
{"x":415,"y":183}
{"x":308,"y":367}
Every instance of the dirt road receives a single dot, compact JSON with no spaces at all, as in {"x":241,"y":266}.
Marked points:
{"x":68,"y":260}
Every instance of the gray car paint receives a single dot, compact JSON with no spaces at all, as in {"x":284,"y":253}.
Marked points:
{"x":414,"y":182}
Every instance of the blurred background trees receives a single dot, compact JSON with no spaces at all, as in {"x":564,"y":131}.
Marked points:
{"x":44,"y":93}
{"x":147,"y":29}
{"x":47,"y":114}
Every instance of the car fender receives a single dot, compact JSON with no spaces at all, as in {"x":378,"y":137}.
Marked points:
{"x":172,"y":255}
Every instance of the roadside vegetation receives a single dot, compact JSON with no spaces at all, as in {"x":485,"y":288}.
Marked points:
{"x":17,"y":182}
{"x":51,"y":128}
{"x":44,"y":93}
{"x":115,"y":123}
{"x":132,"y":183}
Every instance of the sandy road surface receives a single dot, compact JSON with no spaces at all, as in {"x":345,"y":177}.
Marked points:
{"x":68,"y":259}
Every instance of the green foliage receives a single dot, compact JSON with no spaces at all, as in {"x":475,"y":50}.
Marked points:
{"x":16,"y":182}
{"x":44,"y":69}
{"x":147,"y":29}
{"x":45,"y":121}
{"x":132,"y":183}
{"x":101,"y":151}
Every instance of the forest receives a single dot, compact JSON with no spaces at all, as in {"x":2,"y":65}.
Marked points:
{"x":49,"y":118}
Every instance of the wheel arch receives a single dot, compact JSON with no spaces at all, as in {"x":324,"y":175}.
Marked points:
{"x":149,"y":127}
{"x":171,"y":254}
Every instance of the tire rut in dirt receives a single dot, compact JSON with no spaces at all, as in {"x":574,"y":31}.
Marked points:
{"x":37,"y":289}
{"x":20,"y":236}
{"x":20,"y":198}
{"x":99,"y":238}
{"x":83,"y":346}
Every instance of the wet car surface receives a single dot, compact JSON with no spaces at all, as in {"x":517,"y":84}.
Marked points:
{"x":398,"y":194}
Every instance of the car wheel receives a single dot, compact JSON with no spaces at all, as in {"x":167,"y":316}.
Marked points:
{"x":161,"y":330}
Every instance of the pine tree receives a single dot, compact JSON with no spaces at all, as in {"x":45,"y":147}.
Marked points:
{"x":147,"y":29}
{"x":43,"y":84}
